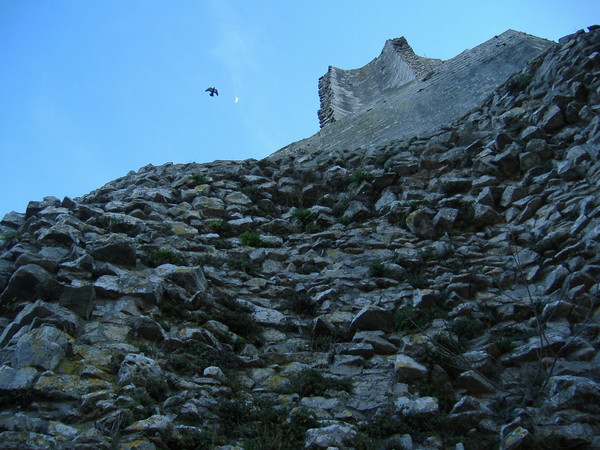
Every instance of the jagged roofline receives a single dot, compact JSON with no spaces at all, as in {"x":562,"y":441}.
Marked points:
{"x":344,"y":91}
{"x":399,"y":44}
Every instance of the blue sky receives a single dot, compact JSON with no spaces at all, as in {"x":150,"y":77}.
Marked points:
{"x":90,"y":90}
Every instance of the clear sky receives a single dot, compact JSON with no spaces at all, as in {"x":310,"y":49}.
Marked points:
{"x":90,"y":90}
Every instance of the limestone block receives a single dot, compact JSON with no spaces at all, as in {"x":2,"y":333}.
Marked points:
{"x":149,"y":329}
{"x":27,"y":439}
{"x":361,"y":349}
{"x":67,"y":387}
{"x":238,"y":198}
{"x":484,"y":215}
{"x":191,"y":279}
{"x":335,"y":435}
{"x":512,"y":194}
{"x":553,"y":118}
{"x":408,"y":369}
{"x":373,"y":318}
{"x":42,"y":312}
{"x":386,"y":201}
{"x":153,"y":424}
{"x":61,"y":432}
{"x":453,"y":185}
{"x":572,"y":392}
{"x":62,"y":233}
{"x":377,"y":341}
{"x":420,"y":223}
{"x":80,"y":299}
{"x":568,"y":170}
{"x":474,"y":383}
{"x":445,"y":218}
{"x":115,"y":249}
{"x":425,"y":298}
{"x":515,"y":438}
{"x":141,"y":371}
{"x":183,"y":230}
{"x":17,"y":379}
{"x":215,"y":372}
{"x":356,"y":210}
{"x":13,"y":219}
{"x":420,"y":406}
{"x":43,"y":347}
{"x":28,"y":283}
{"x":143,"y":284}
{"x":532,"y":132}
{"x":210,"y":206}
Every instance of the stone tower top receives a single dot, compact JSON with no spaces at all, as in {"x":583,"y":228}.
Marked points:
{"x":343,"y":92}
{"x":400,"y":94}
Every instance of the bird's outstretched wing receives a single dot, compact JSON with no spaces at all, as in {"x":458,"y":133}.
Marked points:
{"x":212,"y":90}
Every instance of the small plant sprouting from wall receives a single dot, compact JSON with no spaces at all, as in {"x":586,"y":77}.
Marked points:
{"x":199,"y":179}
{"x":164,"y":256}
{"x":359,"y":176}
{"x":219,"y":226}
{"x":519,"y":84}
{"x":305,"y":217}
{"x":250,"y":239}
{"x":376,"y":269}
{"x":311,"y":382}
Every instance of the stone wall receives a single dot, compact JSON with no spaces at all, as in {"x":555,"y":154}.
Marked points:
{"x":417,"y":105}
{"x":435,"y":292}
{"x":344,"y":92}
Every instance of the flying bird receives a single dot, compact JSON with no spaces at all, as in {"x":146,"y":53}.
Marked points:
{"x":213,"y":91}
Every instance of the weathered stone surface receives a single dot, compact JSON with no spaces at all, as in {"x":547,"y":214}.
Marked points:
{"x":483,"y":232}
{"x":372,"y":318}
{"x":39,"y":313}
{"x":417,"y":407}
{"x":445,"y":218}
{"x":67,"y":387}
{"x":141,"y":371}
{"x":191,"y":279}
{"x":30,"y":282}
{"x":408,"y":369}
{"x":330,"y":436}
{"x":145,"y":285}
{"x":25,"y":439}
{"x":44,"y":347}
{"x":115,"y":249}
{"x":572,"y":392}
{"x":420,"y":223}
{"x":79,"y":299}
{"x":17,"y":379}
{"x":154,"y":424}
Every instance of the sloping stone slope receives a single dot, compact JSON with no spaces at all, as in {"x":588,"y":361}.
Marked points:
{"x":438,"y":291}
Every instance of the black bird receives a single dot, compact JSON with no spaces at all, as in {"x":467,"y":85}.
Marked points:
{"x":213,"y":91}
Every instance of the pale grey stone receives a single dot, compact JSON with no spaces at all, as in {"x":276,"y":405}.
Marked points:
{"x":44,"y":347}
{"x":407,"y":369}
{"x":330,"y":436}
{"x":417,"y":407}
{"x":141,"y":371}
{"x":17,"y":379}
